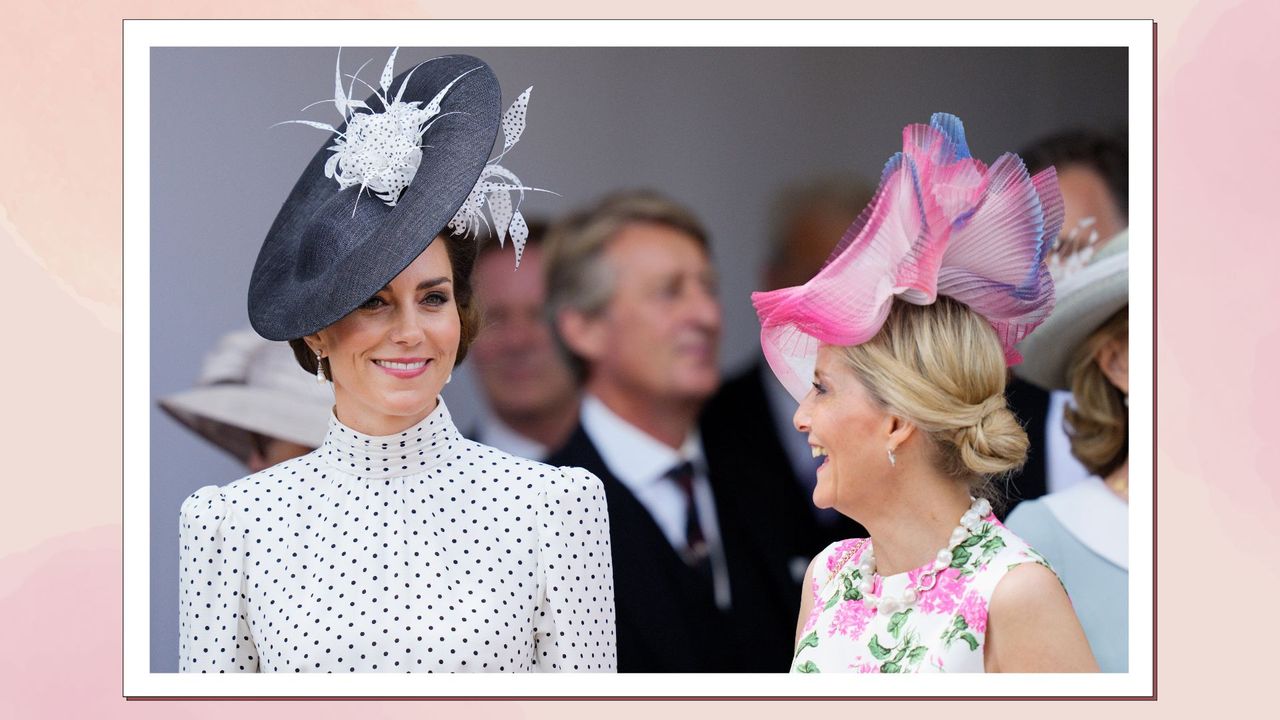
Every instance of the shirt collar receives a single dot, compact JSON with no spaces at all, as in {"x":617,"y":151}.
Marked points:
{"x":498,"y":434}
{"x":1096,"y":517}
{"x":632,"y":455}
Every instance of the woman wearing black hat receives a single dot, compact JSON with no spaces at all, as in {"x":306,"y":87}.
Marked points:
{"x":397,"y":545}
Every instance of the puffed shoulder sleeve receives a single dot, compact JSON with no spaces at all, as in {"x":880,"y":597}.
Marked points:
{"x":213,"y":629}
{"x":574,"y":629}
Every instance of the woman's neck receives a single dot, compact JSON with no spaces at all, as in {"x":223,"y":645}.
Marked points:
{"x":915,"y":522}
{"x":1118,"y":480}
{"x":366,"y":421}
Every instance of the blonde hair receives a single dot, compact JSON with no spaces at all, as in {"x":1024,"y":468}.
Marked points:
{"x":942,"y":367}
{"x":1098,"y":424}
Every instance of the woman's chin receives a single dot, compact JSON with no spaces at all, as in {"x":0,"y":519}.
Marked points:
{"x":415,"y":405}
{"x":822,"y":499}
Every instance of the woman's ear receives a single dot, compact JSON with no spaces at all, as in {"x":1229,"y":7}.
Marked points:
{"x":1113,"y":360}
{"x":900,"y":430}
{"x":314,"y":342}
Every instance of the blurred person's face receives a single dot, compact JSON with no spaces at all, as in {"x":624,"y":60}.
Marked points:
{"x":391,"y":357}
{"x":809,"y":241}
{"x":1113,"y":360}
{"x":269,"y":451}
{"x":1088,"y":205}
{"x":659,"y":335}
{"x":519,"y":368}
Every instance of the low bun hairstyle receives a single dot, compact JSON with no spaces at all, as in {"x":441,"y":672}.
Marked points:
{"x":462,"y":253}
{"x":942,"y":367}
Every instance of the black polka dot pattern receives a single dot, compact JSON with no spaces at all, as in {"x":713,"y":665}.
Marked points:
{"x":419,"y":552}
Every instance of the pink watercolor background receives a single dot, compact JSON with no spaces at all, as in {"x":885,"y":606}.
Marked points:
{"x":1218,"y":337}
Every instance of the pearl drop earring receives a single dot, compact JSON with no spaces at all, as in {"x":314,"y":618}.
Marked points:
{"x":320,"y":378}
{"x":893,"y":459}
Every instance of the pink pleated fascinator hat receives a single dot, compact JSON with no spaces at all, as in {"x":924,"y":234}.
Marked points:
{"x":941,"y":223}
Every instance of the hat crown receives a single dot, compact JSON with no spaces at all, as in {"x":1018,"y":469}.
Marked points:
{"x":333,"y":245}
{"x":328,"y":239}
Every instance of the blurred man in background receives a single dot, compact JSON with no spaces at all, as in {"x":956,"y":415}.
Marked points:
{"x":632,"y":295}
{"x":530,"y":392}
{"x":748,"y":425}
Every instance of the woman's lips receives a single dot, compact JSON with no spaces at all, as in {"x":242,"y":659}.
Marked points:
{"x":821,"y":452}
{"x":403,"y":368}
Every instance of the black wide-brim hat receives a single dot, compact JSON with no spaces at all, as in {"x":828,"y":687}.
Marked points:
{"x":320,"y":261}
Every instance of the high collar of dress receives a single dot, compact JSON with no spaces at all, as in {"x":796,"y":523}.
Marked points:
{"x":421,"y":447}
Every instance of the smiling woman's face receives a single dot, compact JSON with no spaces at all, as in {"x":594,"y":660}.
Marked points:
{"x":849,"y":428}
{"x":390,"y":357}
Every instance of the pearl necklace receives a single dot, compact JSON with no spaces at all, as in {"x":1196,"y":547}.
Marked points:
{"x":888,"y":604}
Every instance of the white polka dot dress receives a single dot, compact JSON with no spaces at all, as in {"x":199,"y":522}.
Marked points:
{"x":417,"y":552}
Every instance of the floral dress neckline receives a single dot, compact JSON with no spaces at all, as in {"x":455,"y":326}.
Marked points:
{"x":943,"y":631}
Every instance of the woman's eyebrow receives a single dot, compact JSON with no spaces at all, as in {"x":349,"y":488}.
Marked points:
{"x":433,"y":282}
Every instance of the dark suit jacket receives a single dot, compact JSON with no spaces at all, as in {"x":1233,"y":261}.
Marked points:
{"x":740,"y":439}
{"x":667,"y":620}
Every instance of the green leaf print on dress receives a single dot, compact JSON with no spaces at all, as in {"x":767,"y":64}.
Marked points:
{"x":959,"y":630}
{"x":904,"y":654}
{"x":810,"y":640}
{"x":876,"y":649}
{"x":903,"y":657}
{"x":990,"y":548}
{"x":942,"y":631}
{"x":896,"y":621}
{"x":851,"y":591}
{"x":966,"y":557}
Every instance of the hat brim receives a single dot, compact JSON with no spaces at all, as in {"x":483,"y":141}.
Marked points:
{"x":1085,"y":301}
{"x":326,"y":253}
{"x":228,"y":416}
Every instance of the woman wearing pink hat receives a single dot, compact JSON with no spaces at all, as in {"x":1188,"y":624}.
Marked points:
{"x":897,"y":351}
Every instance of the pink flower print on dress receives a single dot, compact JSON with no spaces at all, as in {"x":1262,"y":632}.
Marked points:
{"x":945,"y":594}
{"x":837,"y":554}
{"x":974,"y":612}
{"x":851,"y":619}
{"x":818,"y":605}
{"x":870,"y":667}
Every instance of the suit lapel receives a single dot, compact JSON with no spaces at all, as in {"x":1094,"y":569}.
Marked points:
{"x":652,"y":606}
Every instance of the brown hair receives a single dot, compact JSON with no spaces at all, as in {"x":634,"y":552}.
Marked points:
{"x":1098,"y":424}
{"x":942,"y":367}
{"x":462,"y":253}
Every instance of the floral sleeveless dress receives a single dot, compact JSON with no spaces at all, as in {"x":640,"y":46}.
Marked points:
{"x":944,"y":631}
